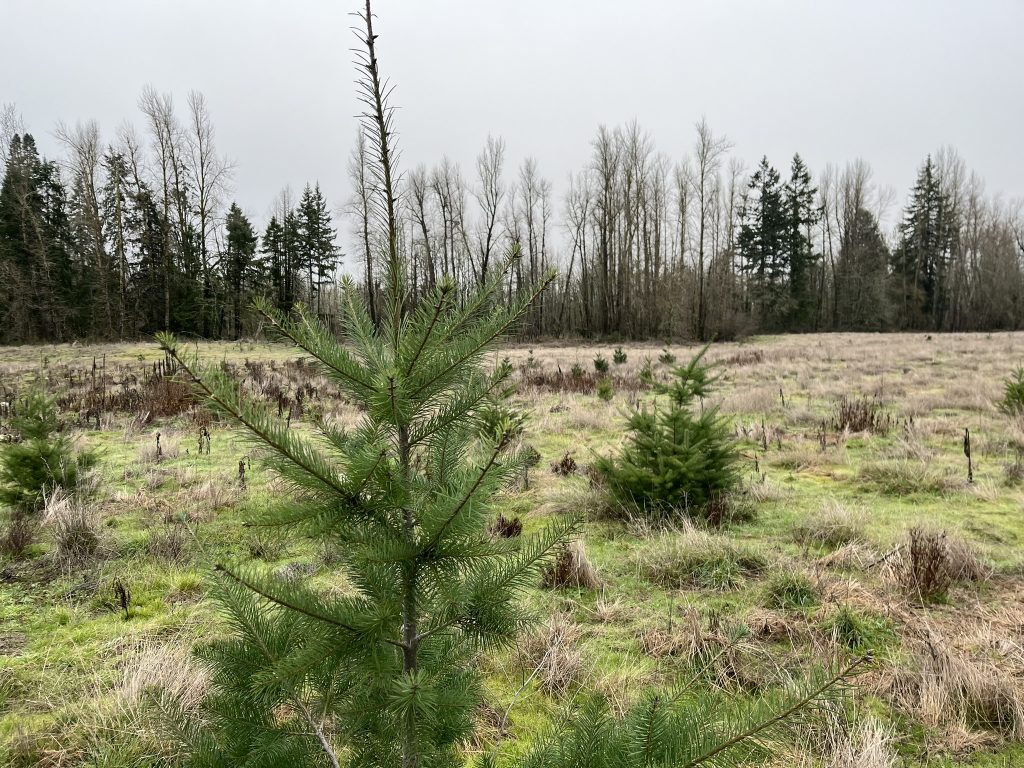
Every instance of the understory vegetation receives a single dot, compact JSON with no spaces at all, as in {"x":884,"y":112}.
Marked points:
{"x":101,"y":610}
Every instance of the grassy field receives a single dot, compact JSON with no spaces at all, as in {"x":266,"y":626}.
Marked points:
{"x":821,"y":573}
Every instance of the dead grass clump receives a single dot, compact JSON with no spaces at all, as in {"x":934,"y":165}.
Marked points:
{"x":571,"y":568}
{"x":684,"y":639}
{"x":850,"y":556}
{"x":701,"y":560}
{"x":867,"y":745}
{"x":943,"y":686}
{"x":860,"y":414}
{"x":156,"y":452}
{"x":76,"y":529}
{"x":763,"y":491}
{"x":169,"y":672}
{"x":834,"y":526}
{"x":18,"y":537}
{"x":553,"y":652}
{"x":212,"y":495}
{"x":932,"y":562}
{"x":170,"y":544}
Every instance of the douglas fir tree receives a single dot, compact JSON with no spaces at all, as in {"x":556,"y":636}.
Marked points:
{"x":383,"y":673}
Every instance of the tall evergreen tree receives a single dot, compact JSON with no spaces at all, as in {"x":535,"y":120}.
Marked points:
{"x":274,"y":257}
{"x":118,"y":220}
{"x":387,"y":671}
{"x":862,"y":276}
{"x":37,"y":275}
{"x":241,"y":268}
{"x":316,"y":236}
{"x":760,"y":243}
{"x":921,"y":260}
{"x":147,"y":239}
{"x":801,"y":213}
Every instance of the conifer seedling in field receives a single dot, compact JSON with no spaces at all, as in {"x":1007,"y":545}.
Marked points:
{"x":384,"y":672}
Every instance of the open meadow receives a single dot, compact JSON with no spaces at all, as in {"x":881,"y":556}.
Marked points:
{"x":857,"y":529}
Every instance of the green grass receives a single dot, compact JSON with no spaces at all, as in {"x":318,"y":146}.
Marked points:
{"x":64,"y":645}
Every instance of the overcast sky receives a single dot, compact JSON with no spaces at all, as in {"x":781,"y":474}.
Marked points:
{"x":886,"y":80}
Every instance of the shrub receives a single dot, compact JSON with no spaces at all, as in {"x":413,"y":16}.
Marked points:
{"x":577,"y":371}
{"x":666,"y":357}
{"x":19,"y":536}
{"x":676,"y":458}
{"x":42,"y":460}
{"x":497,"y":418}
{"x":790,"y":590}
{"x":601,"y":364}
{"x":605,"y":389}
{"x":926,"y":570}
{"x":646,"y":372}
{"x":1013,"y":393}
{"x":619,"y":356}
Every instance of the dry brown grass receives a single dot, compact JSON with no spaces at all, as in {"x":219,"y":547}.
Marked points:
{"x":75,"y":526}
{"x":571,"y":568}
{"x":931,"y":561}
{"x":552,"y":652}
{"x":958,"y":692}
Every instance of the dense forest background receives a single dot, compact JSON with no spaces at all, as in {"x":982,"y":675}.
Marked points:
{"x":125,"y":235}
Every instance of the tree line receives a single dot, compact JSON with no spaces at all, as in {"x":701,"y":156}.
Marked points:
{"x":122,"y":238}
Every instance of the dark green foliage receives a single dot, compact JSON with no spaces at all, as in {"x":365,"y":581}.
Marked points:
{"x":576,"y":371}
{"x":384,"y":673}
{"x":619,"y":356}
{"x":760,"y":243}
{"x":679,"y":456}
{"x":666,"y":357}
{"x":601,"y":364}
{"x":41,"y":460}
{"x":605,"y":389}
{"x":500,"y":418}
{"x":241,"y":270}
{"x":801,"y":214}
{"x":317,"y":253}
{"x":1013,"y":393}
{"x":37,"y":292}
{"x":921,"y":261}
{"x":862,"y":275}
{"x":680,"y":730}
{"x":775,"y":248}
{"x":646,"y":373}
